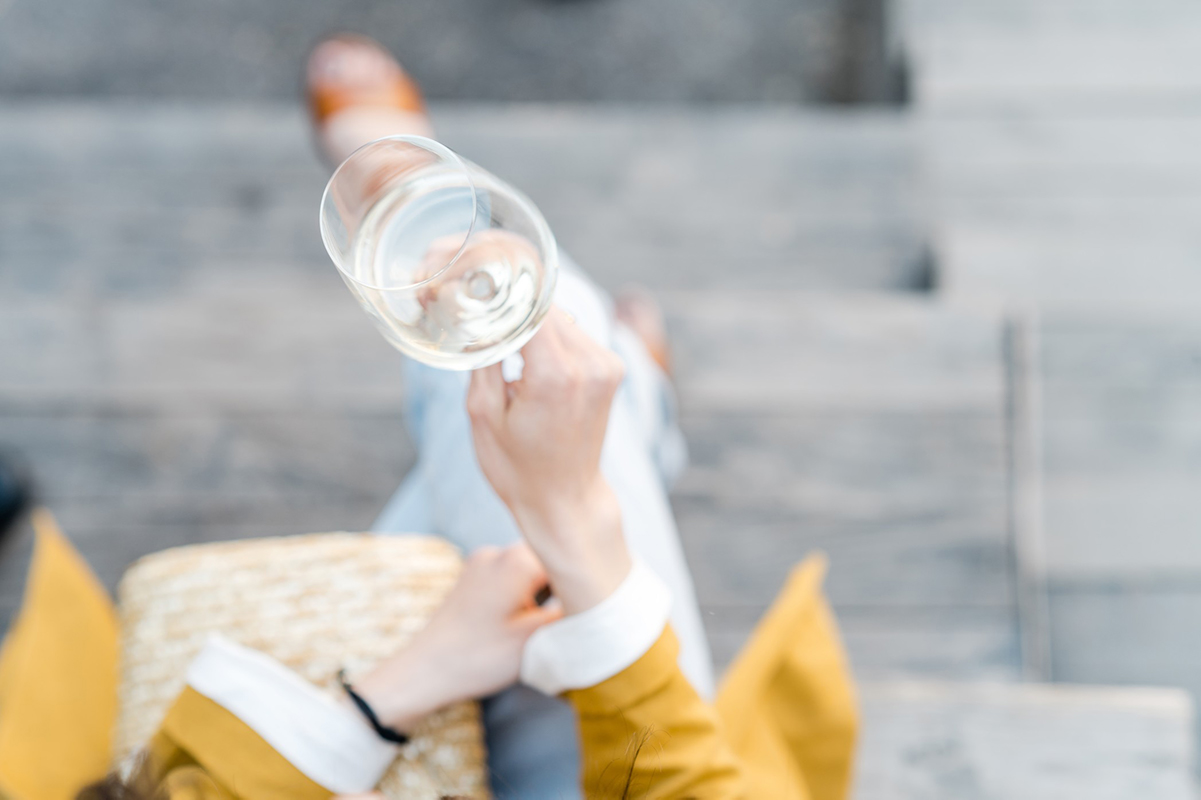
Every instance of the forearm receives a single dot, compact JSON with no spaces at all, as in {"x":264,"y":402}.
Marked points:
{"x":405,"y":689}
{"x":260,"y":730}
{"x":578,"y":538}
{"x":472,"y":646}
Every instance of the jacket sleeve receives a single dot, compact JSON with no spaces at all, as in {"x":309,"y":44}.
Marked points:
{"x":783,"y":727}
{"x":204,"y":752}
{"x":646,"y":733}
{"x":244,"y":727}
{"x":247,"y":728}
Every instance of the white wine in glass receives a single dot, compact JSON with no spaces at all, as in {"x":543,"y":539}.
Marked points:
{"x":456,"y":267}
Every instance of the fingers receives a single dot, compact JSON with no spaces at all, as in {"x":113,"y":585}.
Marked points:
{"x":514,"y":573}
{"x":485,"y":553}
{"x":545,"y":350}
{"x":487,"y":396}
{"x":563,"y":357}
{"x":526,"y":569}
{"x":533,"y":619}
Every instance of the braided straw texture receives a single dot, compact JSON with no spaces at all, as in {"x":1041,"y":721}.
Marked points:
{"x":315,"y":603}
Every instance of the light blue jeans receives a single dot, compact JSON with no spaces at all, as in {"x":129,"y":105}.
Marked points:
{"x":533,"y":752}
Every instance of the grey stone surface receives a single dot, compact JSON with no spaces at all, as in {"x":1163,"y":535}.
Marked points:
{"x":181,"y":362}
{"x":1113,"y":152}
{"x":1057,"y":69}
{"x":1053,"y":55}
{"x":1128,"y":630}
{"x":798,"y":352}
{"x":134,"y":458}
{"x":970,"y":643}
{"x":673,"y":198}
{"x":1089,"y":210}
{"x":1076,"y":249}
{"x":682,"y":50}
{"x":1112,"y":271}
{"x":909,"y":503}
{"x":1059,"y":146}
{"x":872,"y":428}
{"x":1122,"y":444}
{"x":1029,"y":742}
{"x":911,"y":508}
{"x":250,"y":336}
{"x":1008,"y":15}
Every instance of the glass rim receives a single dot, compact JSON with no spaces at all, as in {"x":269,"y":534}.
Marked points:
{"x":424,"y":143}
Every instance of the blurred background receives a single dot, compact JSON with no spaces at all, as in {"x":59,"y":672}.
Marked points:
{"x":787,"y":51}
{"x":932,"y":270}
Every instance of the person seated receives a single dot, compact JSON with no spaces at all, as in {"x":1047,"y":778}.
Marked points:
{"x":559,"y":478}
{"x":245,"y":727}
{"x":358,"y":92}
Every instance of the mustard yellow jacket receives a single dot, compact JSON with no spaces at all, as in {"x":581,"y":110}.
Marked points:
{"x":783,"y":726}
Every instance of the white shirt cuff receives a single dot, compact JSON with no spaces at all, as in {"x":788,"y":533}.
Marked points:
{"x":328,"y":742}
{"x":585,"y":649}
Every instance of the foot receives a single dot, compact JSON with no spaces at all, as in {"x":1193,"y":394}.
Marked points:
{"x":357,"y":92}
{"x":638,"y":309}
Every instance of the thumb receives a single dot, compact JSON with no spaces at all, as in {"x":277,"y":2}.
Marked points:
{"x":487,"y":396}
{"x":533,"y":619}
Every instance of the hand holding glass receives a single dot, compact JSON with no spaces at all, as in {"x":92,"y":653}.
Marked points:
{"x":455,"y":267}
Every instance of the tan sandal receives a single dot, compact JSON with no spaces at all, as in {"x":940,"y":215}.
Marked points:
{"x":638,"y":309}
{"x":349,"y":71}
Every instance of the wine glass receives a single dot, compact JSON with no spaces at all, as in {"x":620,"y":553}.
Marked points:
{"x":456,"y":267}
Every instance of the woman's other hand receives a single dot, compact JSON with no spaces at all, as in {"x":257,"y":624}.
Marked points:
{"x":472,"y":645}
{"x":539,"y":440}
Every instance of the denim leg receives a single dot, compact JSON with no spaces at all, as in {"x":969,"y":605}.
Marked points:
{"x":446,"y":493}
{"x":533,"y":746}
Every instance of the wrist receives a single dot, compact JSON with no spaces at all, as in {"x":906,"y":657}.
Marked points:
{"x":580,"y":543}
{"x":552,"y":514}
{"x":404,"y":690}
{"x":588,"y":579}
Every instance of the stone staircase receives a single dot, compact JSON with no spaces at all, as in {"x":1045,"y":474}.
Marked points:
{"x":1055,"y":56}
{"x":1035,"y":742}
{"x":872,"y":427}
{"x":180,"y":363}
{"x":1060,"y":143}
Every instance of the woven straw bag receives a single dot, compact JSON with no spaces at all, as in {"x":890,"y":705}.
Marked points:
{"x":315,"y":603}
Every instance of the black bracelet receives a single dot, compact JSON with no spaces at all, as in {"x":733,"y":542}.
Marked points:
{"x":381,"y":730}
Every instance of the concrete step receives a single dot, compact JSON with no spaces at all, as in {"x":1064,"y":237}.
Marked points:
{"x":1064,"y":268}
{"x":1058,"y":55}
{"x":1127,"y":629}
{"x":871,"y":427}
{"x":1059,"y":143}
{"x":1090,"y":219}
{"x":182,"y":363}
{"x":619,"y":50}
{"x":1122,"y":449}
{"x":926,"y":741}
{"x":675,"y":198}
{"x":1006,"y":15}
{"x":1069,"y":211}
{"x":1107,"y":153}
